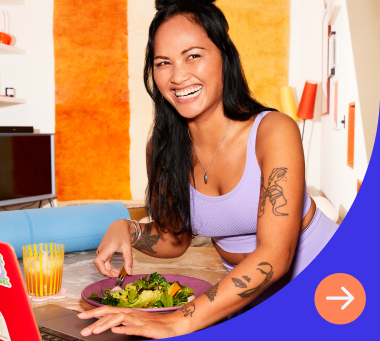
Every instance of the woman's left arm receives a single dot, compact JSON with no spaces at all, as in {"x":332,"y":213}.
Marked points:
{"x":280,"y":155}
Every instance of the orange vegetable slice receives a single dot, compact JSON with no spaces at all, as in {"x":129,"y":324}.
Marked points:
{"x":174,"y":289}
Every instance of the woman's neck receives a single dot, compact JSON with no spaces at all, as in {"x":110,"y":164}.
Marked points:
{"x":207,"y":129}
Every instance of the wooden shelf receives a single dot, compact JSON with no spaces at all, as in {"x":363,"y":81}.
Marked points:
{"x":6,"y":101}
{"x":12,"y":2}
{"x":336,"y":5}
{"x":6,"y":49}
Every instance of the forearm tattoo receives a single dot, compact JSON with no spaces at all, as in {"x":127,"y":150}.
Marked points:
{"x":188,"y":309}
{"x":239,"y":283}
{"x":247,"y":278}
{"x":274,"y":192}
{"x":247,"y":293}
{"x":146,"y":241}
{"x":212,"y":292}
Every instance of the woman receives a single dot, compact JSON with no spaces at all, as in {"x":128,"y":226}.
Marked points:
{"x":219,"y":164}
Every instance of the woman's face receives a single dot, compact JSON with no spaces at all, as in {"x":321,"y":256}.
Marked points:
{"x":187,"y":67}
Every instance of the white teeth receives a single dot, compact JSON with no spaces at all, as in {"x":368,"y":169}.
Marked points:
{"x":194,"y":92}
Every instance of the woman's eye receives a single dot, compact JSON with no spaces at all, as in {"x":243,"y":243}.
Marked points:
{"x":193,"y":56}
{"x":162,"y":64}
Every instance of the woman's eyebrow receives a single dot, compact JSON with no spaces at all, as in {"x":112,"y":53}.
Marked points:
{"x":183,"y":52}
{"x":191,"y":48}
{"x":160,"y":57}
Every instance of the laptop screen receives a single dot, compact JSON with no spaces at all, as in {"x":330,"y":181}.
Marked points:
{"x":17,"y":320}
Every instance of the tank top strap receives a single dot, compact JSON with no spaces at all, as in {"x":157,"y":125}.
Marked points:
{"x":255,"y":127}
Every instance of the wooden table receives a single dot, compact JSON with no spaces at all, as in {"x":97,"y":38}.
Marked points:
{"x":79,"y":271}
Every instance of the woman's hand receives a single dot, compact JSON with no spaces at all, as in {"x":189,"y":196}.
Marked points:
{"x":116,"y":239}
{"x":134,"y":322}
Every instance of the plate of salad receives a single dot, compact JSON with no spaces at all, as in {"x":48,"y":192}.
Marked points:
{"x":148,"y":292}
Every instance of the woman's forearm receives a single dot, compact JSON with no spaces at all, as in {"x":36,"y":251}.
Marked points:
{"x":244,"y":283}
{"x":154,"y":242}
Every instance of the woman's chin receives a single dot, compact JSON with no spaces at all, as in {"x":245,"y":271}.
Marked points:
{"x":189,"y":110}
{"x":190,"y":114}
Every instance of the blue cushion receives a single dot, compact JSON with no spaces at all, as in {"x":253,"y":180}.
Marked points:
{"x":77,"y":227}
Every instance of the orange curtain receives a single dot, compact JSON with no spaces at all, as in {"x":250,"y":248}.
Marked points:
{"x":92,"y":99}
{"x":261,"y":32}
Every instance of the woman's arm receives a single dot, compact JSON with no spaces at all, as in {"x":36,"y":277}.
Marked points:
{"x":280,"y":156}
{"x":153,"y":242}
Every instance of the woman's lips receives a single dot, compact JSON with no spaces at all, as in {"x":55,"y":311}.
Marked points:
{"x":189,"y":97}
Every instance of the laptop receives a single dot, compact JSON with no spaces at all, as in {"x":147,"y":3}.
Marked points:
{"x":18,"y":321}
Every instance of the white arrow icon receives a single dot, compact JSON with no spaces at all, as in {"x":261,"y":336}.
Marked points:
{"x":349,"y":298}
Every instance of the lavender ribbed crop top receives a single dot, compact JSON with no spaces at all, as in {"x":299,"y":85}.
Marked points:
{"x":231,"y":219}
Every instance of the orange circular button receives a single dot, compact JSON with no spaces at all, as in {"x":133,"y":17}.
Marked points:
{"x":340,"y":298}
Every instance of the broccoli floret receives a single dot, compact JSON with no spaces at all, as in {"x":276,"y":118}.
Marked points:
{"x":179,"y":298}
{"x":110,"y":300}
{"x":155,"y":277}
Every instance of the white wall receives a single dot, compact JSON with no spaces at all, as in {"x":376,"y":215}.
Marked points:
{"x":140,"y":14}
{"x":338,"y":181}
{"x":32,"y":75}
{"x":305,"y":64}
{"x":326,"y":148}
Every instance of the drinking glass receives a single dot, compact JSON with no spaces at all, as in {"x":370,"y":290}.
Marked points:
{"x":43,"y":267}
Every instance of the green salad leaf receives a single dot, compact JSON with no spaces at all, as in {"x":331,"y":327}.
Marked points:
{"x":159,"y":304}
{"x":166,"y":300}
{"x":132,"y":295}
{"x":94,"y":297}
{"x":147,"y":299}
{"x":187,"y":291}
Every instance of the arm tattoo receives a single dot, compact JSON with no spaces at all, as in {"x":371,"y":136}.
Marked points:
{"x":248,"y":293}
{"x":212,"y":292}
{"x":188,"y":309}
{"x":247,"y":278}
{"x":147,"y":241}
{"x":239,"y":283}
{"x":274,"y":192}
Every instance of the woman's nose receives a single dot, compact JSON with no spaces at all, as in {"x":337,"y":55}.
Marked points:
{"x":180,"y":75}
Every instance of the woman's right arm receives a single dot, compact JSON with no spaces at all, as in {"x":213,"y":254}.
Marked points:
{"x":153,"y":242}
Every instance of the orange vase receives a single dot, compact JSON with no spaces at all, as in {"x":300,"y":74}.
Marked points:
{"x":5,"y":38}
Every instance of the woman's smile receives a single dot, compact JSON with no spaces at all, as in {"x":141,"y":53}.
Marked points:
{"x":188,"y":94}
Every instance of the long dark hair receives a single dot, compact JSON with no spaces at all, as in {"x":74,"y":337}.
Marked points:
{"x":170,"y":161}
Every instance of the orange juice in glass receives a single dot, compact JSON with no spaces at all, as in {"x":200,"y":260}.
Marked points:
{"x":43,"y":267}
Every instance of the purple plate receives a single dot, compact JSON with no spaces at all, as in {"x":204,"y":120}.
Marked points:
{"x":199,"y":286}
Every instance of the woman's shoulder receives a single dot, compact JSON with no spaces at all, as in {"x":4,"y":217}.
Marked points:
{"x":278,"y":119}
{"x":277,"y":123}
{"x":277,"y":130}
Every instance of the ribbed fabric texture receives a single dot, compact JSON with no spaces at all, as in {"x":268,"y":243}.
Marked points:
{"x":231,"y":219}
